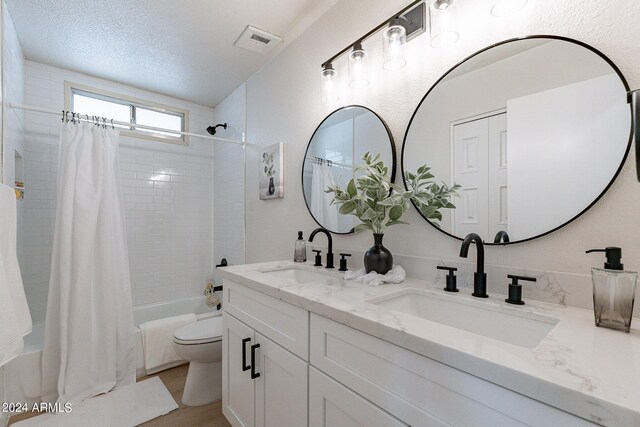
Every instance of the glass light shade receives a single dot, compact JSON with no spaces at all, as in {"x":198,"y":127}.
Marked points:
{"x":442,"y":24}
{"x":507,"y":7}
{"x":358,"y":72}
{"x":328,"y":81}
{"x":393,"y":40}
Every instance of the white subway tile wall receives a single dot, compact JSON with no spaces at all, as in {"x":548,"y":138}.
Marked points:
{"x":168,"y":194}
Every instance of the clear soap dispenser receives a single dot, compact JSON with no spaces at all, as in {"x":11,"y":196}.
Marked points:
{"x":614,"y":291}
{"x":300,"y":250}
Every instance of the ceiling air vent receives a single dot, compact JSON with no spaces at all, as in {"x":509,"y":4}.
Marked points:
{"x":257,"y":40}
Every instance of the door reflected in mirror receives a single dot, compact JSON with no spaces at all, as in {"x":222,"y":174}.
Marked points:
{"x":334,"y":152}
{"x":533,"y":130}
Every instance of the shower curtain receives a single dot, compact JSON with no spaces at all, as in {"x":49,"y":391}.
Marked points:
{"x":324,"y":212}
{"x":89,"y":343}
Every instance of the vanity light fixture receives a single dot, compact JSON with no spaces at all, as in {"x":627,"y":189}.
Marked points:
{"x":394,"y":39}
{"x":328,"y":78}
{"x":503,"y":8}
{"x":442,"y":23}
{"x":402,"y":27}
{"x":358,"y":73}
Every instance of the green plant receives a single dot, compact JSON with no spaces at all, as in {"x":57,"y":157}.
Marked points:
{"x":267,"y":159}
{"x":379,"y":203}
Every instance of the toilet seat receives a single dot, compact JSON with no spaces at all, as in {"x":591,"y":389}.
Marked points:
{"x":201,"y":332}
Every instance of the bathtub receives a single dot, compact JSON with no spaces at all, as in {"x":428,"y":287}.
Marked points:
{"x":23,"y":374}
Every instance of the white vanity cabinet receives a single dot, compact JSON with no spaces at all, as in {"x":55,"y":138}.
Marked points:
{"x":264,"y":383}
{"x":312,"y":371}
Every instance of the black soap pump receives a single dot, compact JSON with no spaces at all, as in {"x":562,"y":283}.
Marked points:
{"x":300,"y":250}
{"x":614,"y":291}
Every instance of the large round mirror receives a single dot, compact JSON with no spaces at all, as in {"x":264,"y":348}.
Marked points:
{"x":334,"y":152}
{"x":533,"y":130}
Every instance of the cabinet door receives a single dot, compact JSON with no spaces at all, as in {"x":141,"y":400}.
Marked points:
{"x":281,"y":388}
{"x":238,"y":396}
{"x":333,"y":405}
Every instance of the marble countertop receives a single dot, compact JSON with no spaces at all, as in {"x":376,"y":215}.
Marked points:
{"x":591,"y":372}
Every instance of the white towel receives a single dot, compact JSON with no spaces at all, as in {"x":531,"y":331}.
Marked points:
{"x":157,"y":341}
{"x":14,"y":311}
{"x":395,"y":275}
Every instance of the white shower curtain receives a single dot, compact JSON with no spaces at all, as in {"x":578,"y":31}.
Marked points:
{"x":324,"y":212}
{"x":89,"y":343}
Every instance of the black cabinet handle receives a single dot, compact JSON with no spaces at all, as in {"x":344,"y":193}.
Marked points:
{"x":245,"y":367}
{"x":254,"y":374}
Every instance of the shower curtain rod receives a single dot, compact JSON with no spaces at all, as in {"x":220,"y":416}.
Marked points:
{"x":117,"y":122}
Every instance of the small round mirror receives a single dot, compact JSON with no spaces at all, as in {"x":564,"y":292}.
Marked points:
{"x":334,"y":152}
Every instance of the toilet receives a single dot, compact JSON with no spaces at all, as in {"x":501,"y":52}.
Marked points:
{"x":200,"y":343}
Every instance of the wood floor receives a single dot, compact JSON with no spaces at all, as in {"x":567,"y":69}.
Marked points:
{"x":185,"y":416}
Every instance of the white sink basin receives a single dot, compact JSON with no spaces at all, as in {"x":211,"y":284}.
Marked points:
{"x":519,"y":328}
{"x":300,"y":275}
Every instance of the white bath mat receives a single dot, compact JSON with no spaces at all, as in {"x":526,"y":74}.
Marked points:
{"x":125,"y":407}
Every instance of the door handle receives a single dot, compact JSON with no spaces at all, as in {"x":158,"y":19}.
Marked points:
{"x":245,"y":367}
{"x":254,"y":374}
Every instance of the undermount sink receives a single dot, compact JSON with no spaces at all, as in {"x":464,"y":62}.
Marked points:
{"x":299,"y":275}
{"x":522,"y":329}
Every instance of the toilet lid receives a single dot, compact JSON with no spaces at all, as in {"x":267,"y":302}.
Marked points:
{"x":202,"y":331}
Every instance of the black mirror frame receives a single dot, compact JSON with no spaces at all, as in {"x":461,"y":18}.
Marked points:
{"x":561,"y":38}
{"x":393,"y":154}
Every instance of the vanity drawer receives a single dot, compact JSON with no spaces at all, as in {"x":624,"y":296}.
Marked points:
{"x":333,"y":405}
{"x":418,"y":390}
{"x":277,"y":320}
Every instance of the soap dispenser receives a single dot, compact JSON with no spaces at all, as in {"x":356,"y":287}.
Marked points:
{"x":614,"y":291}
{"x":300,"y":250}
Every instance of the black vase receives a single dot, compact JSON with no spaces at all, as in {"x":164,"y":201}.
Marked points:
{"x":272,"y":187}
{"x":378,"y":258}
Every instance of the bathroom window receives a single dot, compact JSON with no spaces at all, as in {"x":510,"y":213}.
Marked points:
{"x":95,"y":102}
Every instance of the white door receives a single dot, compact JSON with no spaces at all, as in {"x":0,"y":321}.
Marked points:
{"x":333,"y":405}
{"x":480,"y":167}
{"x":238,"y":395}
{"x":470,"y":171}
{"x":497,"y":175}
{"x":281,"y":387}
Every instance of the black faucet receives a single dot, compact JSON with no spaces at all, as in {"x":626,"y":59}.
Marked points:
{"x":501,"y":236}
{"x":329,"y":249}
{"x":479,"y":277}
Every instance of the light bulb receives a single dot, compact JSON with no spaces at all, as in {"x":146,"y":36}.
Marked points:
{"x":442,"y":4}
{"x":393,"y":39}
{"x":328,"y":78}
{"x":442,"y":23}
{"x":358,"y":73}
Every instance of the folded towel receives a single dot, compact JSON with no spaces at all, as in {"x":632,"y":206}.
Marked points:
{"x":14,"y":311}
{"x":8,"y":255}
{"x":395,"y":275}
{"x":157,"y":342}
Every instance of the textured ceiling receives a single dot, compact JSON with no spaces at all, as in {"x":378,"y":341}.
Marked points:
{"x":181,"y":48}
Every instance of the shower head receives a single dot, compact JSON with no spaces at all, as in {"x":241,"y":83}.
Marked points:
{"x":212,"y":129}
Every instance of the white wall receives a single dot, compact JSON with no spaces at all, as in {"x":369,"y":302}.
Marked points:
{"x":167,"y":191}
{"x":228,"y":172}
{"x":284,"y":103}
